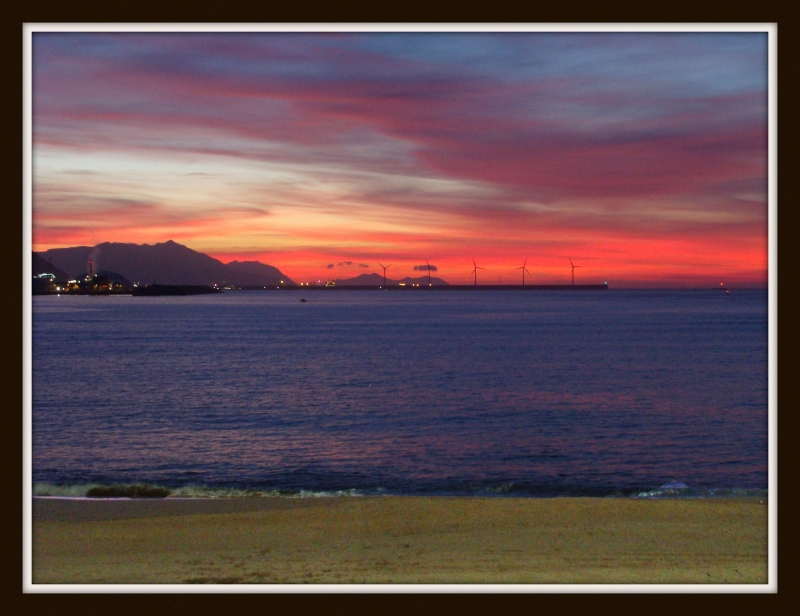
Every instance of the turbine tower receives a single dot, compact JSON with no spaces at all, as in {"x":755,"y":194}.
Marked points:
{"x":524,"y":269}
{"x":429,"y":272}
{"x":475,"y":269}
{"x":573,"y":270}
{"x":385,"y":267}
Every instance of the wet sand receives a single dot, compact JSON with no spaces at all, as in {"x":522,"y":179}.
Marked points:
{"x":410,"y":540}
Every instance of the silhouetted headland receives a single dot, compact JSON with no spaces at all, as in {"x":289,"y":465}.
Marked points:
{"x":167,"y":262}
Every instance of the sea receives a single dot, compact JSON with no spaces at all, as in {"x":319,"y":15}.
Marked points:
{"x":618,"y":393}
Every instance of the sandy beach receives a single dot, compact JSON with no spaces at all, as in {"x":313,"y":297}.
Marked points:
{"x":412,"y":540}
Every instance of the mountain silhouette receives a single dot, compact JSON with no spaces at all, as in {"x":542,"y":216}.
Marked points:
{"x":164,"y":263}
{"x":422,"y":280}
{"x":377,"y":280}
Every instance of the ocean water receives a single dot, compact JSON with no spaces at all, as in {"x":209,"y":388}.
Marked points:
{"x":503,"y":393}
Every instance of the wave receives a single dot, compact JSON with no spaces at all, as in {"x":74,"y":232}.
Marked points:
{"x":672,"y":492}
{"x":145,"y":490}
{"x":138,"y":490}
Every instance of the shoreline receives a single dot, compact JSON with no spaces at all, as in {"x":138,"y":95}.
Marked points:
{"x":400,"y":539}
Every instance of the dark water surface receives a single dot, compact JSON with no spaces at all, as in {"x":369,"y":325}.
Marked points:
{"x":503,"y":392}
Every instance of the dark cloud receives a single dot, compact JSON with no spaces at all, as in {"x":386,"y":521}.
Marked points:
{"x":647,"y":127}
{"x":363,"y":265}
{"x":342,"y":263}
{"x":424,"y":268}
{"x":329,"y":266}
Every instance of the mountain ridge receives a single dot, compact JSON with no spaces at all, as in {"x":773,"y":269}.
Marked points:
{"x":377,"y":279}
{"x":164,"y":263}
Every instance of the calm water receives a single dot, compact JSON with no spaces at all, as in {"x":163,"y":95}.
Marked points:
{"x":535,"y":393}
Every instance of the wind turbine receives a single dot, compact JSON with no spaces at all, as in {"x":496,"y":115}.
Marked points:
{"x":524,"y":269}
{"x":429,"y":272}
{"x":573,"y":270}
{"x":475,"y":269}
{"x":385,"y":267}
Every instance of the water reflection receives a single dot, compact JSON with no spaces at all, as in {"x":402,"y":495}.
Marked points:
{"x":598,"y":391}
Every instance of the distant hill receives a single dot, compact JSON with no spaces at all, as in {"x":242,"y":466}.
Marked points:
{"x":165,"y":263}
{"x":114,"y":277}
{"x":248,"y":273}
{"x":422,"y":280}
{"x":377,"y":279}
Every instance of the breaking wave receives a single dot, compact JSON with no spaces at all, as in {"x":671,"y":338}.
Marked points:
{"x":93,"y":490}
{"x":144,"y":490}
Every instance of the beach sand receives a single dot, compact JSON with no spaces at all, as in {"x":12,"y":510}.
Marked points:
{"x":412,"y":540}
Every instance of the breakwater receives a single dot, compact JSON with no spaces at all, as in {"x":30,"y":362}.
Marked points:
{"x":173,"y":289}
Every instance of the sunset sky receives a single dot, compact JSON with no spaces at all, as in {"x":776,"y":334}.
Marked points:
{"x":642,"y":157}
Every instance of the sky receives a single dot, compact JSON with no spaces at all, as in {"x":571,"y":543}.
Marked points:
{"x":642,"y":157}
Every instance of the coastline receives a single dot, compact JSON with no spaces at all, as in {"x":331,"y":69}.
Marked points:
{"x":400,"y":539}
